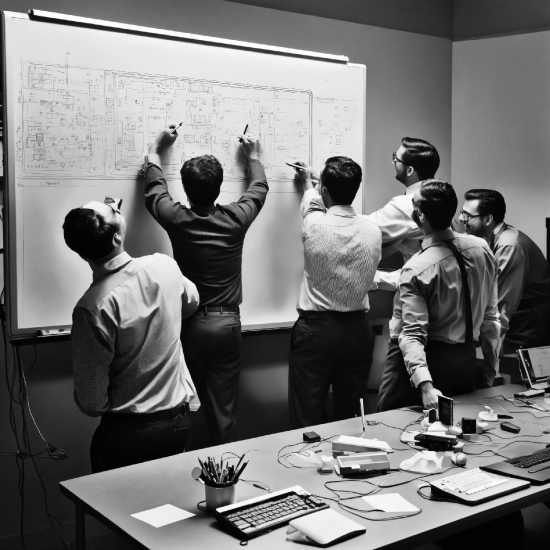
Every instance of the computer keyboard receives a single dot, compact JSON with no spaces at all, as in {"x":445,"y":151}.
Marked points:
{"x":254,"y":517}
{"x":533,"y":459}
{"x":470,"y":481}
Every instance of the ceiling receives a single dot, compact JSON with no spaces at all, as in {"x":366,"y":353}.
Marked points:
{"x":453,"y":19}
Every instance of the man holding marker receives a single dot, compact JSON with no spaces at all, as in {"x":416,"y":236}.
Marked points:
{"x":127,"y":356}
{"x":207,"y":241}
{"x":330,"y":342}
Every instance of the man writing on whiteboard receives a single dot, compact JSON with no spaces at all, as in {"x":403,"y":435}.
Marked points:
{"x":207,"y":241}
{"x":127,"y":355}
{"x":330,"y":340}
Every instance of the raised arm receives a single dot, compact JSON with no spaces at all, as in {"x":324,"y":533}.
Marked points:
{"x":253,"y":199}
{"x":158,"y":200}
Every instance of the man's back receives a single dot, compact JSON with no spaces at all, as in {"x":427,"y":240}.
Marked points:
{"x":433,"y":277}
{"x":208,"y":244}
{"x":341,"y":253}
{"x":127,"y":329}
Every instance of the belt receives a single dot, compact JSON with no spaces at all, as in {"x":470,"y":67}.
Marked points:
{"x":166,"y":414}
{"x":321,"y":314}
{"x":217,"y":309}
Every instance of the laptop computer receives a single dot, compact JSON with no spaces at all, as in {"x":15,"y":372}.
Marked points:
{"x":474,"y":486}
{"x":537,"y":474}
{"x":534,"y":367}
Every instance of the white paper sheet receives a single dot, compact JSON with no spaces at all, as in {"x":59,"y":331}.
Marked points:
{"x":163,"y":515}
{"x":392,"y":502}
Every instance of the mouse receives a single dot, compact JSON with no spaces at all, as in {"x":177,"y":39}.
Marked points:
{"x":548,"y":446}
{"x":459,"y":459}
{"x":454,"y":430}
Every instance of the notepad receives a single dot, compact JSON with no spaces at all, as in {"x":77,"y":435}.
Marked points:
{"x":323,"y":528}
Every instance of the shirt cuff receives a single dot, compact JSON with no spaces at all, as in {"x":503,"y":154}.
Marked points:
{"x":421,"y":374}
{"x":152,"y":159}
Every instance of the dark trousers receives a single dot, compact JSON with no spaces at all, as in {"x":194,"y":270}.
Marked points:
{"x":328,"y":348}
{"x":452,"y":368}
{"x":119,"y":441}
{"x":212,"y":345}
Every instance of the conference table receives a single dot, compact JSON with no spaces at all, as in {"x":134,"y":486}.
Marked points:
{"x":113,"y":496}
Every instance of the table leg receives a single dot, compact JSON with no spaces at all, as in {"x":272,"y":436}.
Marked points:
{"x":80,"y":527}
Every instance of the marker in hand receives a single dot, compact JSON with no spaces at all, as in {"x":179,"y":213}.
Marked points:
{"x":174,"y":130}
{"x":245,"y":129}
{"x":297,"y":166}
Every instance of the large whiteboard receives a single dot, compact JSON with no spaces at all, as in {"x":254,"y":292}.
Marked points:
{"x":82,"y":105}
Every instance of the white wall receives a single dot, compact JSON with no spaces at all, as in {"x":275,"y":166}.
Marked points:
{"x":501,"y":124}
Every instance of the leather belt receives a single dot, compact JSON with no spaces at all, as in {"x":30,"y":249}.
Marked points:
{"x":166,"y":414}
{"x":217,"y":309}
{"x":336,"y":314}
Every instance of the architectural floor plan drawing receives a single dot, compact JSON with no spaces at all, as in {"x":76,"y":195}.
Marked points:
{"x":80,"y":122}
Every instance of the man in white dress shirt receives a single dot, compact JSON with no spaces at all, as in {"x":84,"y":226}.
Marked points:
{"x":330,"y":342}
{"x":416,"y":160}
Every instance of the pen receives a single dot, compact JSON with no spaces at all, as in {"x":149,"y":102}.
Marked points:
{"x":245,"y":129}
{"x":174,"y":130}
{"x":362,"y":413}
{"x":296,"y":166}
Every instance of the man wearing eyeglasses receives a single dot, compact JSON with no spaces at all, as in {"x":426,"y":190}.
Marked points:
{"x":523,"y":272}
{"x":415,"y":161}
{"x":446,"y":298}
{"x":127,"y":355}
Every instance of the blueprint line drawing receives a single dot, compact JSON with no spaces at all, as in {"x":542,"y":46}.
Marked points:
{"x":84,"y":123}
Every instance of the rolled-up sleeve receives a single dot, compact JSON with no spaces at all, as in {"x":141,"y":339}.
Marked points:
{"x":414,"y":331}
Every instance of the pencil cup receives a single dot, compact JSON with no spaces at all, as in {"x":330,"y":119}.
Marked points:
{"x":219,"y":496}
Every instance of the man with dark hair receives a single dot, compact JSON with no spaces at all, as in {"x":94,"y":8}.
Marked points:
{"x":523,"y":272}
{"x":207,"y":241}
{"x":330,"y":340}
{"x":414,"y":161}
{"x":127,"y":355}
{"x":446,"y":297}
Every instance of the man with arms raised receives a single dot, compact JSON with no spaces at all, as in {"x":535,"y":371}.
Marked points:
{"x":207,"y":240}
{"x":127,"y":356}
{"x":330,"y":340}
{"x":436,"y":315}
{"x":523,"y":272}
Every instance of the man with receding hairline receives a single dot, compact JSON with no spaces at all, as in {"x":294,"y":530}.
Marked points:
{"x":127,"y":356}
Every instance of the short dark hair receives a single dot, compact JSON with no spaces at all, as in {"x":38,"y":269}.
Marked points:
{"x":422,"y":156}
{"x":490,"y":202}
{"x":202,"y":179}
{"x":438,"y":202}
{"x":342,"y":178}
{"x":87,"y":233}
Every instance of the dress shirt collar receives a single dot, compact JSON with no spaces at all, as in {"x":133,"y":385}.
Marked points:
{"x":497,"y":231}
{"x":412,"y":188}
{"x":436,"y":236}
{"x":341,"y":210}
{"x":114,"y":264}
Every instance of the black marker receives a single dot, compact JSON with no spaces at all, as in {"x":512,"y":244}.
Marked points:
{"x":174,"y":130}
{"x":245,"y":129}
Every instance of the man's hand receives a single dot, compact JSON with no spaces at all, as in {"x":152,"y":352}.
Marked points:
{"x":308,"y":176}
{"x":251,"y":146}
{"x":164,"y":140}
{"x":429,"y":395}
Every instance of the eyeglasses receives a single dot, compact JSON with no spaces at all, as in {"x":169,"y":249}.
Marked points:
{"x":466,"y":216}
{"x":395,"y":158}
{"x":115,"y":204}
